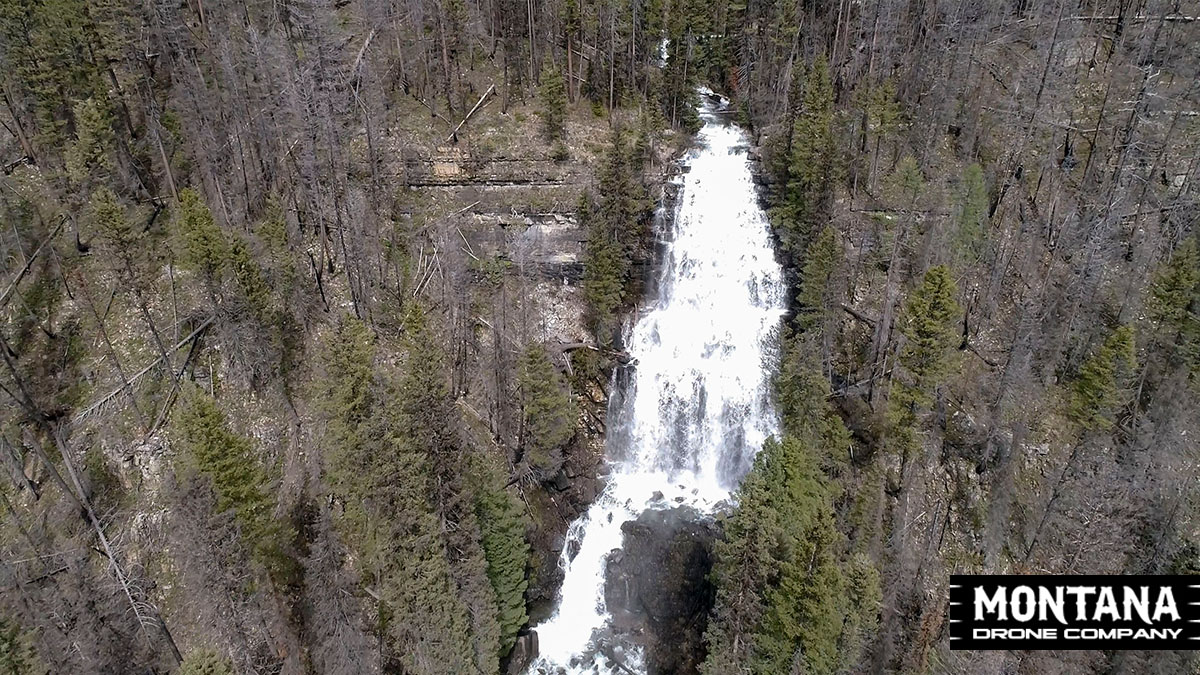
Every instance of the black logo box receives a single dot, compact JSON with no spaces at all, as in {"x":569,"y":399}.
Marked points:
{"x":1075,"y":634}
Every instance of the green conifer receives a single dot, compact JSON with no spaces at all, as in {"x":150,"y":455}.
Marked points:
{"x":249,"y":278}
{"x":780,"y":547}
{"x":108,"y":216}
{"x":548,"y":412}
{"x":820,"y":261}
{"x":779,"y":586}
{"x":552,"y":95}
{"x":17,"y":655}
{"x":1100,"y":383}
{"x":930,"y":322}
{"x":1174,"y":302}
{"x":972,"y":198}
{"x":204,"y":661}
{"x":502,"y":524}
{"x":907,"y":181}
{"x":382,"y":440}
{"x":811,"y":164}
{"x":90,"y":157}
{"x":204,"y":247}
{"x":239,"y":481}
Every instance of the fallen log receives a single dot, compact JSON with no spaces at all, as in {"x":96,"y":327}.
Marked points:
{"x":454,"y":134}
{"x":621,"y":357}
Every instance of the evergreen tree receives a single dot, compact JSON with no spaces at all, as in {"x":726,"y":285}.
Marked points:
{"x":381,"y":439}
{"x":52,"y":48}
{"x":779,"y":588}
{"x":820,"y":261}
{"x":1099,"y":385}
{"x":239,"y":481}
{"x":907,"y":181}
{"x":812,"y":159}
{"x":345,"y":398}
{"x":930,"y":322}
{"x":548,"y":413}
{"x":1174,"y":302}
{"x":502,"y":524}
{"x":883,"y":111}
{"x":863,"y":601}
{"x":204,"y":662}
{"x":616,"y":227}
{"x":204,"y":247}
{"x":778,"y":584}
{"x":883,"y":116}
{"x":971,"y":236}
{"x":425,"y":402}
{"x":552,"y":95}
{"x":108,"y":216}
{"x":91,"y":154}
{"x":280,"y":261}
{"x":603,"y":283}
{"x":249,"y":278}
{"x":17,"y":655}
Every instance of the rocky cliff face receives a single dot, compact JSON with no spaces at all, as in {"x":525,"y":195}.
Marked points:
{"x":658,"y":590}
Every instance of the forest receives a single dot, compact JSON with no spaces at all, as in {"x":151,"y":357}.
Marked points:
{"x":310,"y":312}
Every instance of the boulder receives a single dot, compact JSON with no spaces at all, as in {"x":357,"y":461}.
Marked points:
{"x":524,"y":651}
{"x":657,"y":587}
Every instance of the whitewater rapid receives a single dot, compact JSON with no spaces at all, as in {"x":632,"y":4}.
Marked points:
{"x":685,"y":423}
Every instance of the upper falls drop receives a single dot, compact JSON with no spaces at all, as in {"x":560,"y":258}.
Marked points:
{"x":684,"y":428}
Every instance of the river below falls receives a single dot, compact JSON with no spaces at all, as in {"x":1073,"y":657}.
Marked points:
{"x":686,"y":420}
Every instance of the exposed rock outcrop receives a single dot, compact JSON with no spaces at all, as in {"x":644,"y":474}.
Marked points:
{"x":657,"y":587}
{"x":523,"y":653}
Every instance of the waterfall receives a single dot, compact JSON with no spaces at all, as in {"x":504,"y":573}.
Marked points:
{"x":685,"y":423}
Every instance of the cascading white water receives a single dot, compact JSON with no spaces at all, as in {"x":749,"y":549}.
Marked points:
{"x":685,"y":427}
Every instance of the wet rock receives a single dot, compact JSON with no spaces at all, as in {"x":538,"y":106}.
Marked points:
{"x":588,"y":489}
{"x":657,"y":587}
{"x":524,"y":651}
{"x":560,"y":482}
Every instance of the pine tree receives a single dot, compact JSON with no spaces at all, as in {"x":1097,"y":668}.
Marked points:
{"x":552,"y":95}
{"x":90,"y":157}
{"x":280,"y":259}
{"x":108,"y":216}
{"x":502,"y":524}
{"x":17,"y":655}
{"x":1099,"y":385}
{"x":970,"y":239}
{"x":204,"y":662}
{"x":883,"y":116}
{"x":811,"y":164}
{"x":382,"y":439}
{"x":883,"y":111}
{"x":203,"y":244}
{"x":930,"y":323}
{"x":779,"y":588}
{"x":907,"y":181}
{"x":1174,"y":302}
{"x":864,"y":600}
{"x":52,"y":48}
{"x":820,"y":261}
{"x":616,"y":227}
{"x":239,"y":481}
{"x":548,"y":413}
{"x":778,"y":583}
{"x":603,"y":284}
{"x":425,"y":392}
{"x":801,"y":394}
{"x":249,"y":278}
